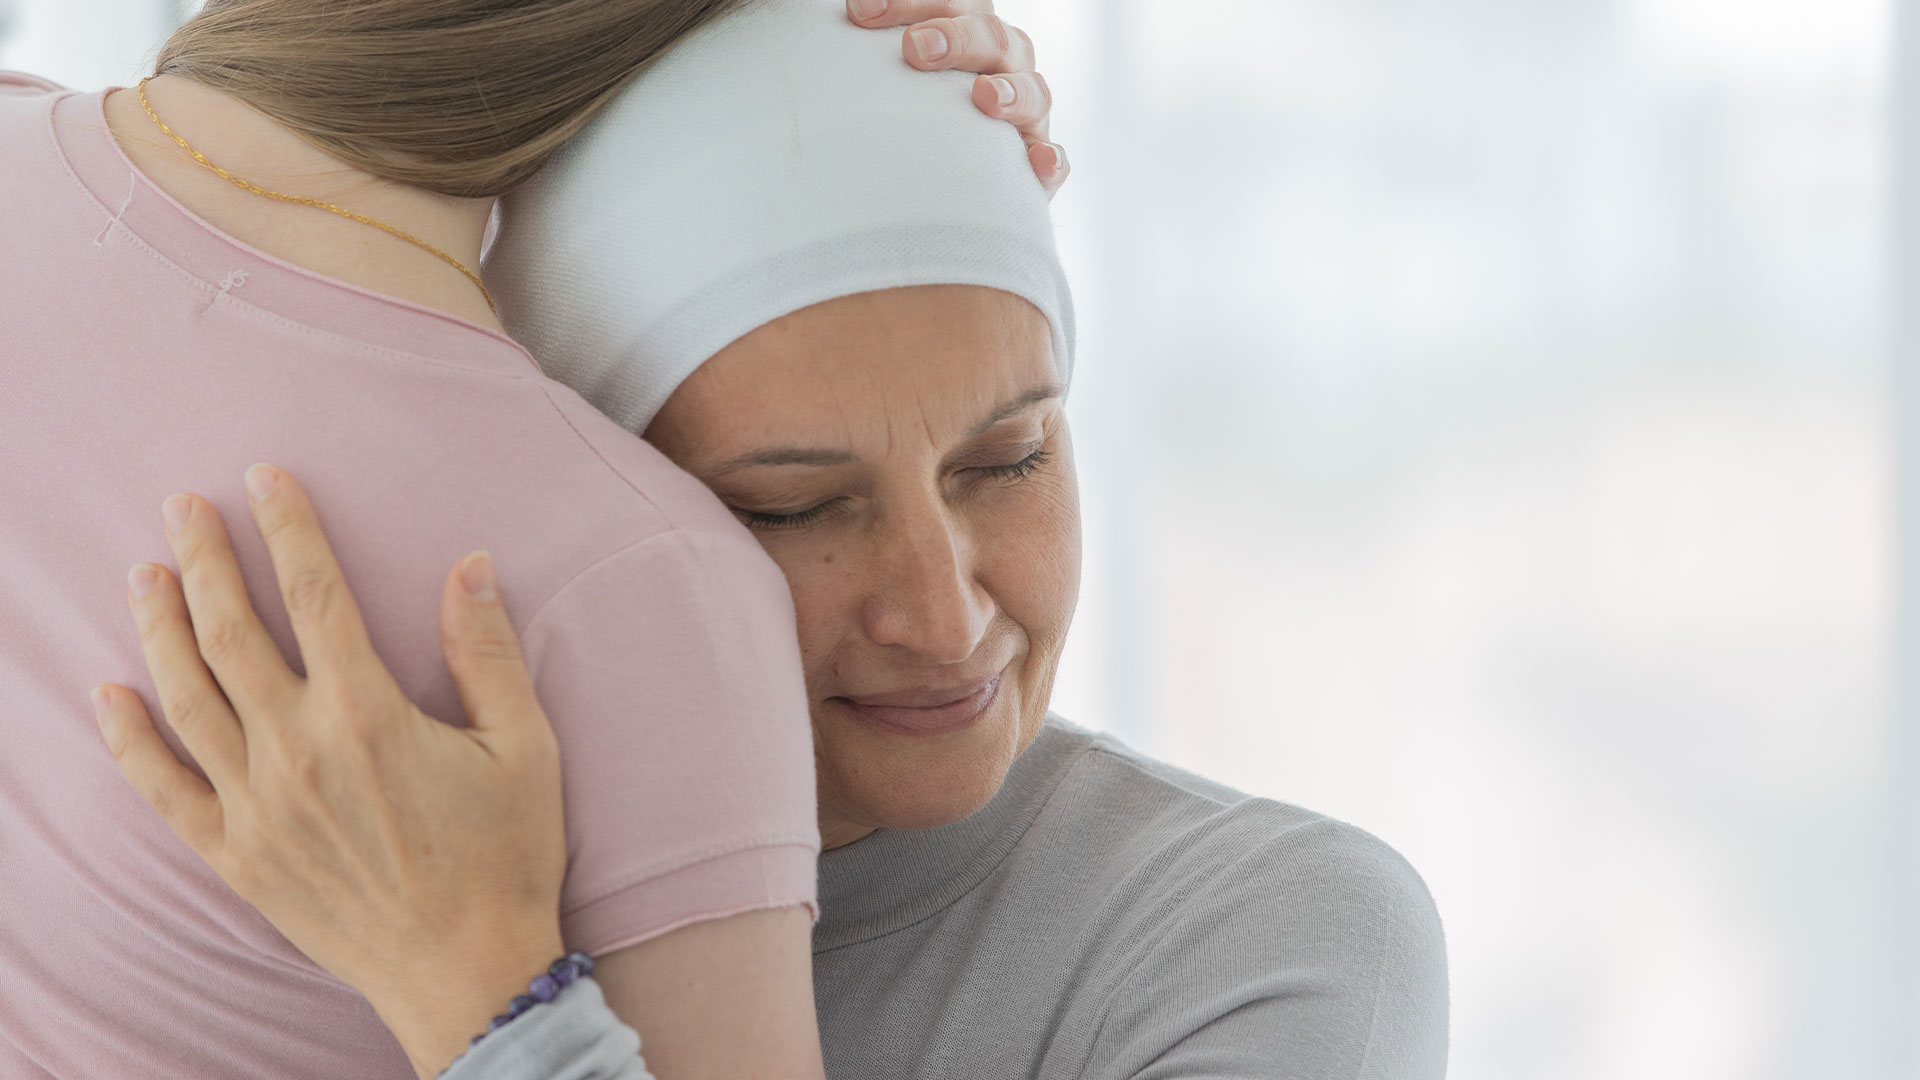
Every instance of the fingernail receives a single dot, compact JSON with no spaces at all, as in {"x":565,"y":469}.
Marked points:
{"x":867,"y":9}
{"x":102,"y":706}
{"x":476,"y":576}
{"x":140,"y":580}
{"x":1059,"y":158}
{"x":176,"y":510}
{"x":931,"y":44}
{"x":261,"y":480}
{"x":1003,"y":89}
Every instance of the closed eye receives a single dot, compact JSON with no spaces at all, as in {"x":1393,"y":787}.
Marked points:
{"x":1021,"y":469}
{"x":795,"y":520}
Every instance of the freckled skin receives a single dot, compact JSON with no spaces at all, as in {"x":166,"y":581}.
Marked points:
{"x":951,"y":561}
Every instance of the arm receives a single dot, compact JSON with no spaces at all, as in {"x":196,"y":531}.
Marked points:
{"x":726,"y":999}
{"x":417,"y":862}
{"x":678,"y":986}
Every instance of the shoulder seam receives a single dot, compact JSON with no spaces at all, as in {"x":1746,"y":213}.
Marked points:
{"x":1134,"y":764}
{"x":546,"y":390}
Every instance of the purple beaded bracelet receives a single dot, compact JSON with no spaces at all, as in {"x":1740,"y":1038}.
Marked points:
{"x":559,"y":975}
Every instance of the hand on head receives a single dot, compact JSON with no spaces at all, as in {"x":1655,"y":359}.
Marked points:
{"x":966,"y":35}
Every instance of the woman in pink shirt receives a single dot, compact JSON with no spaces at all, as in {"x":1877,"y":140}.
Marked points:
{"x":161,"y":327}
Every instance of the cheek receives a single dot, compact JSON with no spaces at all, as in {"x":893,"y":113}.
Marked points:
{"x":820,"y":574}
{"x":1029,"y":548}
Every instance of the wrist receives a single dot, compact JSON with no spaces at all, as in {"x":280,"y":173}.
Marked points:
{"x":437,"y":1011}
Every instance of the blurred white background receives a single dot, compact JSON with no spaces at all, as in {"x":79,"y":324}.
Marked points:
{"x":1487,"y":438}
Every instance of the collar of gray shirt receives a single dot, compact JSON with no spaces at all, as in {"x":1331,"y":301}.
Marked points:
{"x":894,"y":878}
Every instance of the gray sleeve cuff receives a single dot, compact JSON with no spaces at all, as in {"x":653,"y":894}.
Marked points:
{"x":573,"y":1037}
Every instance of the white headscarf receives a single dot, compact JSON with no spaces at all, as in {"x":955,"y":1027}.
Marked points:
{"x":774,"y":159}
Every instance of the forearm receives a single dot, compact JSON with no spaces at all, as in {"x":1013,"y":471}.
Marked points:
{"x":575,"y":1037}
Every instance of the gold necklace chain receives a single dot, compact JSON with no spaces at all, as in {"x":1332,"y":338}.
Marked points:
{"x":141,"y":92}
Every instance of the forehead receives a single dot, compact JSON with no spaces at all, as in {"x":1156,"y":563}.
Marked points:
{"x":936,"y":359}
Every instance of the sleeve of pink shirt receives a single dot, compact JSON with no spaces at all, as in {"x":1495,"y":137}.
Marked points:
{"x":672,"y":676}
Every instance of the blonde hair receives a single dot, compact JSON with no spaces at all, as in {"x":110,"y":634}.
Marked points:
{"x":462,"y":97}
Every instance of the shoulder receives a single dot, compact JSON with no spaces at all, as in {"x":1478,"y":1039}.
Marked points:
{"x":680,"y":501}
{"x":624,"y":528}
{"x":26,"y":102}
{"x":656,"y":563}
{"x":21,"y":84}
{"x":1317,"y":938}
{"x":1299,"y":863}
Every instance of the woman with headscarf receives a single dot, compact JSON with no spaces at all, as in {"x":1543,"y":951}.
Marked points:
{"x":866,"y":361}
{"x":269,"y":250}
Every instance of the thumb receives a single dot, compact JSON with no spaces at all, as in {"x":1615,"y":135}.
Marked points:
{"x":483,"y":652}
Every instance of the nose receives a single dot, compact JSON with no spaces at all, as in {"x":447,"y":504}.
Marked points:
{"x":926,"y":597}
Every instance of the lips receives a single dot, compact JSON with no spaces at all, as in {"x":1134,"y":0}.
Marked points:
{"x":925,"y":711}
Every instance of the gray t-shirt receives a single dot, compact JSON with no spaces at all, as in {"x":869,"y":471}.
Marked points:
{"x":1109,"y":917}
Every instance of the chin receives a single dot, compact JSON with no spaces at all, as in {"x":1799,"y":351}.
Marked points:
{"x":892,"y":781}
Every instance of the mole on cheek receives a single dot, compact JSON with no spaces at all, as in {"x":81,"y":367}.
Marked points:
{"x":828,"y":559}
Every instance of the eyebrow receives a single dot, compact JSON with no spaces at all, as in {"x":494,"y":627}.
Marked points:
{"x":784,"y":456}
{"x":799,"y":456}
{"x":1018,"y":405}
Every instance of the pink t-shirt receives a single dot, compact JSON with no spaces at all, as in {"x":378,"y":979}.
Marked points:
{"x":143,"y":352}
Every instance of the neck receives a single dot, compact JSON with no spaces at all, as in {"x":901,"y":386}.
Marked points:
{"x":256,"y":148}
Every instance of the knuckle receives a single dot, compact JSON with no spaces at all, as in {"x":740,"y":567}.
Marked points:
{"x":1043,"y":93}
{"x":119,"y":740}
{"x":997,"y":31}
{"x":186,"y":711}
{"x":361,"y":716}
{"x":359,"y":726}
{"x":276,"y":525}
{"x":161,"y":799}
{"x":156,"y":621}
{"x":343,"y":711}
{"x":222,"y":642}
{"x":491,"y":647}
{"x":305,"y":769}
{"x":311,"y":594}
{"x":193,"y":553}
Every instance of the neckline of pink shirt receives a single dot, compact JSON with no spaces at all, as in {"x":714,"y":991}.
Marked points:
{"x":230,"y":269}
